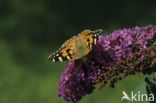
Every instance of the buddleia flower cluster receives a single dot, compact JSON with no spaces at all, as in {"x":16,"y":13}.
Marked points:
{"x":115,"y":56}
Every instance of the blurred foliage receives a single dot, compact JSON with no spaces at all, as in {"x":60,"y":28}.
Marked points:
{"x":31,"y":29}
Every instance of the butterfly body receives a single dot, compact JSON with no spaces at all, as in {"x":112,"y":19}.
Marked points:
{"x":76,"y":47}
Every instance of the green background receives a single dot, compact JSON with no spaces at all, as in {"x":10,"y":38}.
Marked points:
{"x":32,"y":29}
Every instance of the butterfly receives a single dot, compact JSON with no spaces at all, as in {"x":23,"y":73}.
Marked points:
{"x":77,"y":46}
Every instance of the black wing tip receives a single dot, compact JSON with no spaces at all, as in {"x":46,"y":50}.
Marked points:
{"x":56,"y":58}
{"x":50,"y":58}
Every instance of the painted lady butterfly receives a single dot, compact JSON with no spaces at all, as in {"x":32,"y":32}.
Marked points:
{"x":77,"y":46}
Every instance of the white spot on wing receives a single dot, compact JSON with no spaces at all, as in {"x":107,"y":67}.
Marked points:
{"x":68,"y":57}
{"x":94,"y":41}
{"x":53,"y":60}
{"x":60,"y":59}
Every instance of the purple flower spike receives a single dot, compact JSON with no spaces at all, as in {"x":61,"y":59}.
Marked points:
{"x":74,"y":83}
{"x":81,"y":76}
